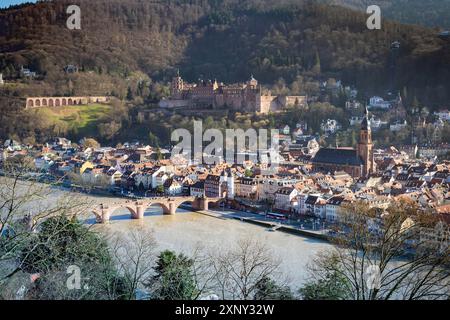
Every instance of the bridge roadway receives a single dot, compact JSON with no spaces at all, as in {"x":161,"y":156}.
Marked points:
{"x":137,"y":207}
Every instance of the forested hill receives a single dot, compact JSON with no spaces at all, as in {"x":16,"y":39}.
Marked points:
{"x":432,"y":13}
{"x":227,"y":40}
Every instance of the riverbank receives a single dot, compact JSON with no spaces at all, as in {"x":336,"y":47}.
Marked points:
{"x":266,"y":224}
{"x":230,"y":214}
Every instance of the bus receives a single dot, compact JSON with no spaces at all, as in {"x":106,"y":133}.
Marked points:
{"x":276,"y":216}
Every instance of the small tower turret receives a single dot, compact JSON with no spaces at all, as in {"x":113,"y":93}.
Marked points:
{"x":177,"y":86}
{"x":365,"y":146}
{"x":252,"y":83}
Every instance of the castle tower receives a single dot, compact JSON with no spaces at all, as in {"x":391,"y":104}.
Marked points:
{"x":365,"y":146}
{"x":176,"y":87}
{"x":252,"y":83}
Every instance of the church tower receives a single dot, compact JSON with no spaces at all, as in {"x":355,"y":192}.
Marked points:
{"x":365,"y":146}
{"x":177,"y":86}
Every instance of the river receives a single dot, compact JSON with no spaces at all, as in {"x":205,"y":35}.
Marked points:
{"x":187,"y":231}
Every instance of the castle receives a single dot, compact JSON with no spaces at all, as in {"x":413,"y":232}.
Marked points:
{"x":357,"y":162}
{"x":245,"y":97}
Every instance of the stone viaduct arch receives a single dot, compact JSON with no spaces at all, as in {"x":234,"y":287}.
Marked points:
{"x":33,"y":102}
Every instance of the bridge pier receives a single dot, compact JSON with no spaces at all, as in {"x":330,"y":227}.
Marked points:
{"x":200,"y":204}
{"x":139,"y":212}
{"x":204,"y":205}
{"x":104,"y":215}
{"x":170,"y":209}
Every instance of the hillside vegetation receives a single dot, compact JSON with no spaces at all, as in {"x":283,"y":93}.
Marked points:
{"x":81,"y":120}
{"x":131,"y":49}
{"x":432,"y":13}
{"x":227,"y":40}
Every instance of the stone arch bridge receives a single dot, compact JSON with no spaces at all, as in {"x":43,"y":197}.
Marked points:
{"x":138,"y":207}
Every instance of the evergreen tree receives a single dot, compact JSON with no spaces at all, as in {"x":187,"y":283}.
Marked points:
{"x":64,"y":242}
{"x":130,"y":96}
{"x":153,"y":140}
{"x":268,"y":289}
{"x":174,"y":279}
{"x":316,"y":69}
{"x":332,"y":286}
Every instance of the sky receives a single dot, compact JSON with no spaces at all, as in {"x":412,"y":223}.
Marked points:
{"x":7,"y":3}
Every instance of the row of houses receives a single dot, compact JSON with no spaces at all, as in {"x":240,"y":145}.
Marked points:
{"x":295,"y":189}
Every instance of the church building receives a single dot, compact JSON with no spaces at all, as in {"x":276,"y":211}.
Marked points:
{"x":357,"y":162}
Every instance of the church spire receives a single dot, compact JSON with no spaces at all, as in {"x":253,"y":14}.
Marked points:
{"x":365,"y":124}
{"x":365,"y":146}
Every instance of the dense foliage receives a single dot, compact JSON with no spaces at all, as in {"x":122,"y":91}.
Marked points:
{"x":268,"y":289}
{"x":62,"y":243}
{"x":174,"y":278}
{"x":227,"y":40}
{"x":130,"y":49}
{"x":433,"y":13}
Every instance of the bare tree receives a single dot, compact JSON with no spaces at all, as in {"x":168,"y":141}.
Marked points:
{"x":402,"y":253}
{"x":203,"y":273}
{"x":134,"y":254}
{"x":238,"y":272}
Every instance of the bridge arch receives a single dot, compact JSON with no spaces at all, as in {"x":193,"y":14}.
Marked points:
{"x":50,"y":103}
{"x":189,"y":201}
{"x":98,"y":216}
{"x":131,"y":210}
{"x":162,"y":205}
{"x":30,"y":103}
{"x":216,"y":202}
{"x":104,"y":213}
{"x":192,"y":201}
{"x":57,"y":102}
{"x":44,"y":102}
